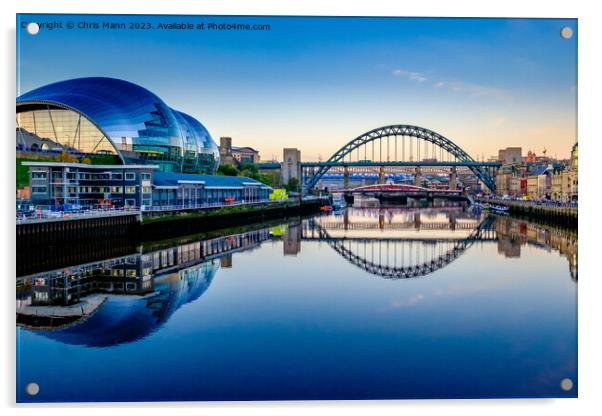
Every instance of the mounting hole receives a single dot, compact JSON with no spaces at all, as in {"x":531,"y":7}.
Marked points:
{"x":32,"y":389}
{"x":566,"y":32}
{"x":33,"y":28}
{"x":566,"y":384}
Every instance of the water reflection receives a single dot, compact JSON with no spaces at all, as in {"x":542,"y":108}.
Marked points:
{"x":124,"y":299}
{"x":370,"y":303}
{"x":403,"y":243}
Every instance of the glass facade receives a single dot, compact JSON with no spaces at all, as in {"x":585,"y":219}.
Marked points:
{"x":58,"y":129}
{"x":112,"y":116}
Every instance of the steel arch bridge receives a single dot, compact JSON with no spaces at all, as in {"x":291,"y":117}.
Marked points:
{"x":416,"y":266}
{"x":443,"y":152}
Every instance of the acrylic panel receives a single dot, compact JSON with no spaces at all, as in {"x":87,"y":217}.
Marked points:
{"x":295,"y":208}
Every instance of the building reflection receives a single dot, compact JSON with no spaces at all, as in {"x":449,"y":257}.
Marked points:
{"x":123,"y":299}
{"x":513,"y":233}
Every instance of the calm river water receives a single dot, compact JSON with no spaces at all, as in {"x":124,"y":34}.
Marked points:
{"x":367,"y":303}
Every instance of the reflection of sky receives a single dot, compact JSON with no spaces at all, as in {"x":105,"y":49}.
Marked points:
{"x":315,"y":326}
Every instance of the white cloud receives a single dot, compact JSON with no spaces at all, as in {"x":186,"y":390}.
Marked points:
{"x":411,"y":75}
{"x":475,"y":90}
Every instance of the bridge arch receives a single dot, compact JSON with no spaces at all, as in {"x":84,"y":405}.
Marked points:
{"x":380,"y":265}
{"x":403,"y":131}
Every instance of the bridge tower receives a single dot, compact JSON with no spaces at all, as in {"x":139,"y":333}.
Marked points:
{"x":453,"y":179}
{"x":418,"y":176}
{"x":290,"y":167}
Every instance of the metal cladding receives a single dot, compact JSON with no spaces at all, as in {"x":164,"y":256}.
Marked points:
{"x":131,"y":122}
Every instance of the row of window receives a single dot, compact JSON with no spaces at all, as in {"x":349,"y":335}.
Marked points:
{"x":93,"y":189}
{"x":116,"y":176}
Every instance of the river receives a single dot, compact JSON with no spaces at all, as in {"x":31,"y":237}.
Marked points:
{"x":366,"y":303}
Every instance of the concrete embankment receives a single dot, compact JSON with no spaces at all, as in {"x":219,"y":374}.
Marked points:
{"x":181,"y":222}
{"x":153,"y":224}
{"x":563,"y":216}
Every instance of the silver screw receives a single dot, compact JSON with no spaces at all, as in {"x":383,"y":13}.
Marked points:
{"x":33,"y":28}
{"x":566,"y":32}
{"x":566,"y":384}
{"x":32,"y":389}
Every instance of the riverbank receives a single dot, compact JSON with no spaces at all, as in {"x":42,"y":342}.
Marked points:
{"x":156,"y":224}
{"x":562,"y":216}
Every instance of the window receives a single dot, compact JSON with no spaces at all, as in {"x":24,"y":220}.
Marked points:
{"x":117,"y":189}
{"x":39,"y":175}
{"x":145,"y":176}
{"x":38,"y":189}
{"x":130,"y":202}
{"x":130,"y":189}
{"x":146,"y":189}
{"x":117,"y":176}
{"x":130,"y":176}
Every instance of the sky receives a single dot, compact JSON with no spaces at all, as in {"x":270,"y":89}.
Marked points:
{"x":315,"y":83}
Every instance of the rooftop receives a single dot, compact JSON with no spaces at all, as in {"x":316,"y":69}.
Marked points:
{"x":173,"y":179}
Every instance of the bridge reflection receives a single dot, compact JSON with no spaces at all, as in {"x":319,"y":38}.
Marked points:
{"x":405,"y":243}
{"x":400,"y":244}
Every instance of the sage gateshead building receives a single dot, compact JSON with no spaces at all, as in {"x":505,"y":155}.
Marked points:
{"x":112,"y":121}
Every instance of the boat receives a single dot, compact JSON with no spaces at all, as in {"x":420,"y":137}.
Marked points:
{"x":338,"y":202}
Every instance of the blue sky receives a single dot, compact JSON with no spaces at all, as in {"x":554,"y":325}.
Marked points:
{"x":316,"y":83}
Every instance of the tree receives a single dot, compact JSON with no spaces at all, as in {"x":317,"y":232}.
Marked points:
{"x":293,"y":185}
{"x":250,"y":170}
{"x":227,"y":170}
{"x":267,"y":180}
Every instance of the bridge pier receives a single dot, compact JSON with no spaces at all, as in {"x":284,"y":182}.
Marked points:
{"x":346,"y":177}
{"x":452,"y":220}
{"x":417,"y":176}
{"x":381,"y":175}
{"x":453,"y":179}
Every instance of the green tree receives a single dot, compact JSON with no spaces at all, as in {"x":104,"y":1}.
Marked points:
{"x":250,"y":171}
{"x":293,"y":185}
{"x":227,"y":170}
{"x":267,"y":180}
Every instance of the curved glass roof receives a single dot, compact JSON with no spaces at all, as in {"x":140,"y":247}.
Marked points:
{"x":141,"y":126}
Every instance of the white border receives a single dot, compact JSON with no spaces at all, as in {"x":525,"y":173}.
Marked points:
{"x":590,"y":350}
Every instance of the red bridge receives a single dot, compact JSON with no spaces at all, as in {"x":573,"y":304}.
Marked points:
{"x":398,"y":188}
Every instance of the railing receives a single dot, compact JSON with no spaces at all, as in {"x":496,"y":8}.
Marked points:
{"x":178,"y":207}
{"x":539,"y":203}
{"x":47,"y":215}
